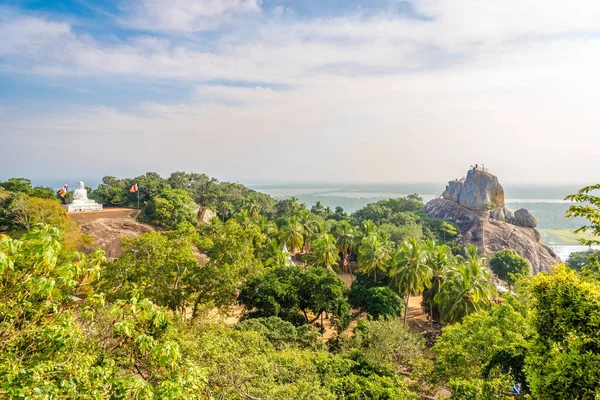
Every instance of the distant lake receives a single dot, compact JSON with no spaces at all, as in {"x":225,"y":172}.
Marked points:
{"x":564,"y":251}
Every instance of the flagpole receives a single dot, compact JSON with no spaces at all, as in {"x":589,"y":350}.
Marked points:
{"x":138,"y":192}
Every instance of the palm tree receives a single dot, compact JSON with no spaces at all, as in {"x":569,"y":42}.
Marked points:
{"x":410,"y":273}
{"x":318,"y":209}
{"x":439,"y":259}
{"x":292,"y":234}
{"x":467,"y":288}
{"x":254,"y":209}
{"x":310,"y":223}
{"x":268,"y":228}
{"x":368,"y":227}
{"x":345,"y":239}
{"x":225,"y":209}
{"x":244,"y":218}
{"x":373,"y":254}
{"x":276,"y":257}
{"x":325,"y":252}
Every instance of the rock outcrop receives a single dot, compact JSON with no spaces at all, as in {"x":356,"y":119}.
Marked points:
{"x":107,"y":233}
{"x":524,"y":218}
{"x":479,"y":191}
{"x":205,"y":214}
{"x":476,"y":205}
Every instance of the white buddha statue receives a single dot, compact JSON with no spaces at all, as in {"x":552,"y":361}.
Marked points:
{"x":80,"y":194}
{"x":81,"y":201}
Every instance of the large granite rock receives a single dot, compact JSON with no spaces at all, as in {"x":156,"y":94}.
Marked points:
{"x":453,"y":190}
{"x":107,"y":233}
{"x":205,"y":214}
{"x":491,"y":235}
{"x":524,"y":218}
{"x":481,"y":191}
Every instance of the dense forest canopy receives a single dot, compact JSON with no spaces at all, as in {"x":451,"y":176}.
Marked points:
{"x":146,"y":325}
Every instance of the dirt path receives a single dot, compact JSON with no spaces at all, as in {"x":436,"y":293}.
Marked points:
{"x":110,"y":212}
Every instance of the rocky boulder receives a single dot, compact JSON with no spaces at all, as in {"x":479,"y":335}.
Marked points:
{"x":492,"y":235}
{"x":481,"y":191}
{"x":476,"y":205}
{"x":453,"y":190}
{"x":205,"y":214}
{"x":498,"y":214}
{"x":524,"y":218}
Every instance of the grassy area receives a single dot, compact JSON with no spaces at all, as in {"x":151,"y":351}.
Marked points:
{"x":562,"y":236}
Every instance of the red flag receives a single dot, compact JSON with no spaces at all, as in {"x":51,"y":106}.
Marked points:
{"x":134,"y":188}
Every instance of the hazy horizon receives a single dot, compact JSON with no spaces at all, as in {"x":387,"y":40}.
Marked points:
{"x":301,"y":91}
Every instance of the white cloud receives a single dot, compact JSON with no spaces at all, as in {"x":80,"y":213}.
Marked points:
{"x":507,"y":84}
{"x":184,"y":15}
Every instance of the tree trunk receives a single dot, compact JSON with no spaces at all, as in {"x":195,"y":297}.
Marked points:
{"x":406,"y":307}
{"x":431,"y":313}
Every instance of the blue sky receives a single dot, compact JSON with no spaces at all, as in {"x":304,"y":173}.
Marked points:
{"x":312,"y":90}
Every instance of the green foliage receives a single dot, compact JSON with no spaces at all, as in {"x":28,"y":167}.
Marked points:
{"x":563,"y":361}
{"x":465,"y":348}
{"x":345,"y":239}
{"x":47,"y":350}
{"x":325,"y":251}
{"x":377,"y":301}
{"x":395,"y":211}
{"x":282,"y":334}
{"x":389,"y":342}
{"x":444,"y":231}
{"x":383,"y":302}
{"x":410,"y":273}
{"x":224,"y":197}
{"x":290,"y":294}
{"x":114,"y":191}
{"x":580,"y":259}
{"x":467,"y":288}
{"x":440,"y":260}
{"x":374,"y":254}
{"x":356,"y":387}
{"x":292,"y":234}
{"x":20,"y":211}
{"x":510,"y":361}
{"x":398,"y":234}
{"x":169,"y":208}
{"x":231,"y":249}
{"x":507,"y":264}
{"x":20,"y":185}
{"x":479,"y":389}
{"x":588,"y":207}
{"x":157,"y":266}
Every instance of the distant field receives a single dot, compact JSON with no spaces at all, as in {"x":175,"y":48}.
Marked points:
{"x":562,"y":236}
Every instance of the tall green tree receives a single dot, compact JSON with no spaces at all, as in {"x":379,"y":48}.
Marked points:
{"x":157,"y":266}
{"x":410,"y":273}
{"x":507,"y":265}
{"x":439,"y":259}
{"x":467,"y":288}
{"x":374,"y":254}
{"x":345,"y":238}
{"x":325,"y":251}
{"x":292,"y":234}
{"x":563,"y":361}
{"x":169,"y":208}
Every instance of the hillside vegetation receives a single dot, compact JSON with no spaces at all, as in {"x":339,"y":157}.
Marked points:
{"x":76,"y":325}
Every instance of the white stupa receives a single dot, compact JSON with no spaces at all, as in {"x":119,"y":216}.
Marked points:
{"x":289,"y":261}
{"x":81,"y":201}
